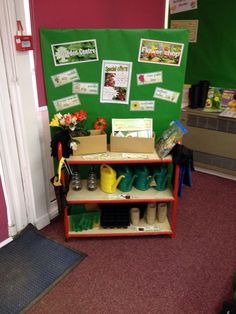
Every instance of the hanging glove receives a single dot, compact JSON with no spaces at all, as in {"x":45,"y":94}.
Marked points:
{"x":183,"y":157}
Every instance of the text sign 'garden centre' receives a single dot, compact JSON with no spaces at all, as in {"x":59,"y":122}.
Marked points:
{"x":75,"y":52}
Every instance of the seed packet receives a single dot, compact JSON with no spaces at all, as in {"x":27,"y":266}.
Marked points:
{"x":213,"y":101}
{"x":169,"y":138}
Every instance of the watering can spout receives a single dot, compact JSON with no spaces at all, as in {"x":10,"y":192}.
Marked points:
{"x":132,"y":181}
{"x":117,"y":182}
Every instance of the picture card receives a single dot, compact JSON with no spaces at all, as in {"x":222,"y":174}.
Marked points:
{"x":85,"y":88}
{"x":166,"y":94}
{"x":149,"y":78}
{"x":142,"y":105}
{"x":66,"y":102}
{"x":65,"y":77}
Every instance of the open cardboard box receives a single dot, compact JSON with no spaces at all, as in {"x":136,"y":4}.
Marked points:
{"x":132,"y":144}
{"x":95,"y":143}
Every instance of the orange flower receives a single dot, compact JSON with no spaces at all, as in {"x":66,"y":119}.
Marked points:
{"x":80,"y":115}
{"x":100,"y":124}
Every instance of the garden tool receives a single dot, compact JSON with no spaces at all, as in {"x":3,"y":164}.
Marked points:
{"x":59,"y":188}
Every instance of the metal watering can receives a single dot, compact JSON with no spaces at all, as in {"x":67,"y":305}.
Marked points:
{"x":126,"y":183}
{"x":108,"y":179}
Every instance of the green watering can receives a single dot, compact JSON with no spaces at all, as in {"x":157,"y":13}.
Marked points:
{"x":160,"y":175}
{"x":143,"y":178}
{"x":126,"y":183}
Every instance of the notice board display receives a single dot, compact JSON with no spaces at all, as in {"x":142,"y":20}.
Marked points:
{"x":115,"y":73}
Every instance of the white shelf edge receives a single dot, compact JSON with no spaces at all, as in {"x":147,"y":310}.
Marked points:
{"x":156,"y":228}
{"x":114,"y":157}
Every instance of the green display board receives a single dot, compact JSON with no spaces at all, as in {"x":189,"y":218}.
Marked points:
{"x":212,"y":56}
{"x":157,"y":57}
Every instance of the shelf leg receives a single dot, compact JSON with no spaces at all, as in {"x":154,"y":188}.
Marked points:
{"x":66,"y":224}
{"x":174,"y":205}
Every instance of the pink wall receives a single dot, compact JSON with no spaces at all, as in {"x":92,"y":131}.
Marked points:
{"x":90,"y":14}
{"x":3,"y":216}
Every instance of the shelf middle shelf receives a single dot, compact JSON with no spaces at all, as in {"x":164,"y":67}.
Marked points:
{"x":135,"y":195}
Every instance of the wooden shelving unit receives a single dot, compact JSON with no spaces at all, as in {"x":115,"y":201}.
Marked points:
{"x":98,"y":196}
{"x":143,"y":229}
{"x":134,"y":196}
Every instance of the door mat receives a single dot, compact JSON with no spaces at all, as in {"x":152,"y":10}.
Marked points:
{"x":30,"y":265}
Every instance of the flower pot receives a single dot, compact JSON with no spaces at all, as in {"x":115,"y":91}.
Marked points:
{"x":95,"y":143}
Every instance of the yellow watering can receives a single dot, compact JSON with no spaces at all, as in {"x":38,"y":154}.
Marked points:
{"x":108,"y":180}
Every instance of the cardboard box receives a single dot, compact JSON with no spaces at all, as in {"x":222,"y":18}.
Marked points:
{"x":95,"y":143}
{"x":132,"y":144}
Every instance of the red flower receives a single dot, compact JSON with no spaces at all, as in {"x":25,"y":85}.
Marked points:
{"x":141,"y":78}
{"x":81,"y":115}
{"x":67,"y":119}
{"x":100,"y":124}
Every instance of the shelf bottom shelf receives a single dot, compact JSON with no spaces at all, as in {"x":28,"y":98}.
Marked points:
{"x":143,"y":229}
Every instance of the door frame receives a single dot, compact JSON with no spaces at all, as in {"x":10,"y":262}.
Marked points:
{"x":21,"y":156}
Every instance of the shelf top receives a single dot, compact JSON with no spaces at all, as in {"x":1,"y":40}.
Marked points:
{"x":118,"y":158}
{"x":85,"y":197}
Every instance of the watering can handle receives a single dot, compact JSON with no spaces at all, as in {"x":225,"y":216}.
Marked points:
{"x":106,"y":166}
{"x":58,"y":182}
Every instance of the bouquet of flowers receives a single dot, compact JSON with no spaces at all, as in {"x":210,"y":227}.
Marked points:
{"x":73,"y":122}
{"x":69,"y":125}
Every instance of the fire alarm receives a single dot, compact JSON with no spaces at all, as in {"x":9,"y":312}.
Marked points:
{"x":22,"y":42}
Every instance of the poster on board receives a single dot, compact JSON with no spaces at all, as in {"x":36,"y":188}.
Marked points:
{"x":191,"y":25}
{"x":115,"y":81}
{"x":177,"y":6}
{"x":74,"y":52}
{"x":160,"y":52}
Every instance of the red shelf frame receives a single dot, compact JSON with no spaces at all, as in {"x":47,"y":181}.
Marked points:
{"x":173,"y":200}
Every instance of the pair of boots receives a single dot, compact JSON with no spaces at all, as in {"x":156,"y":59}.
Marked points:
{"x":198,"y":94}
